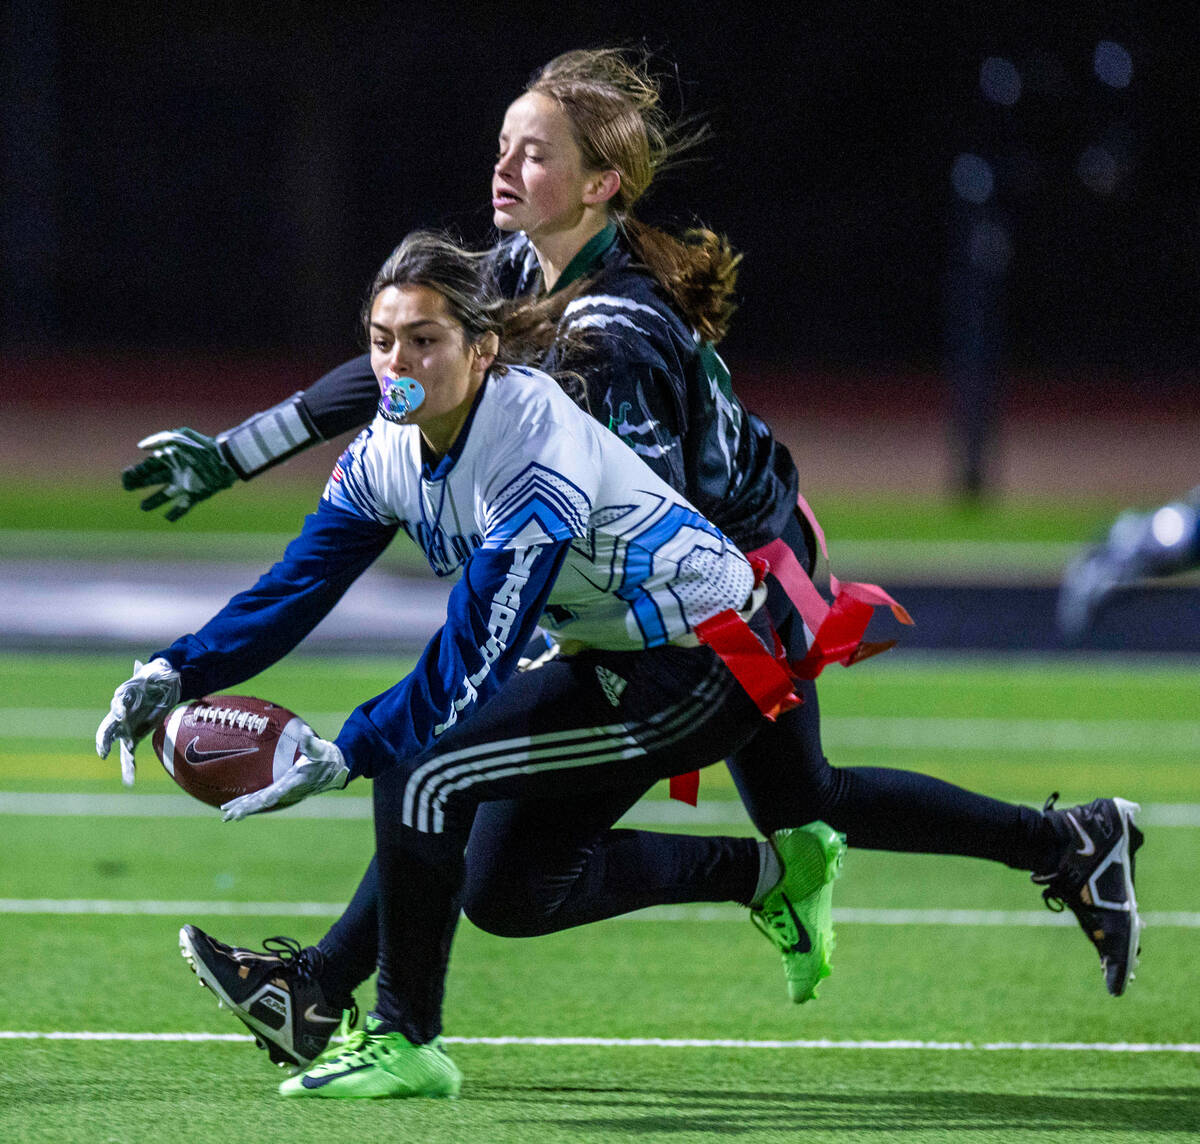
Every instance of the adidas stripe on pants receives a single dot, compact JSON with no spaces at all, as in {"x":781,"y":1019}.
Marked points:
{"x":553,"y":736}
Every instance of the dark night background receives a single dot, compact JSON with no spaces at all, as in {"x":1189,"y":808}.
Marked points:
{"x":195,"y":178}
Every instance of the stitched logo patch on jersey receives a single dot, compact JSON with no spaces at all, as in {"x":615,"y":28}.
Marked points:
{"x":611,"y":684}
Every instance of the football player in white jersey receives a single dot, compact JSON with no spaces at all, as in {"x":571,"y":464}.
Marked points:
{"x":576,"y":152}
{"x":541,"y":513}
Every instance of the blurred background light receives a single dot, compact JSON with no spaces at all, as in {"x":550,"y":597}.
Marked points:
{"x":972,"y":178}
{"x":1098,"y":169}
{"x":1000,"y":81}
{"x":1168,"y":526}
{"x":1112,"y":64}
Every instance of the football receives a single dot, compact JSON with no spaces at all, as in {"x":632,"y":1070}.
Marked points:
{"x":222,"y":746}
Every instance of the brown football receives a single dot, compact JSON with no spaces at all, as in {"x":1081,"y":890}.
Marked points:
{"x":223,"y":746}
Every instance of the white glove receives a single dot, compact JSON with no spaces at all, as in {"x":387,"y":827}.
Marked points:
{"x":138,"y":706}
{"x":322,"y":767}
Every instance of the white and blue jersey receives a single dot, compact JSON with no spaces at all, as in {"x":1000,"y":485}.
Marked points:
{"x":543,"y":515}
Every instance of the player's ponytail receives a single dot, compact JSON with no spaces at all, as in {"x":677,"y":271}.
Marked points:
{"x":616,"y":114}
{"x":699,"y":271}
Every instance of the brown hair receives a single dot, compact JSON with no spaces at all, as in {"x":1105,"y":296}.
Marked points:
{"x":428,"y":258}
{"x":616,"y":114}
{"x":465,"y":280}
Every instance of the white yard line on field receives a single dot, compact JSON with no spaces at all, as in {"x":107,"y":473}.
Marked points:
{"x":1165,"y":919}
{"x":1171,"y":736}
{"x":670,"y":1043}
{"x":649,"y":812}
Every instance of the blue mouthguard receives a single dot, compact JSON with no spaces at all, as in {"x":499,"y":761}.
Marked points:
{"x":401,"y":395}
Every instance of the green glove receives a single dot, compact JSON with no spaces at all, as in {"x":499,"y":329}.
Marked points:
{"x":187,"y":464}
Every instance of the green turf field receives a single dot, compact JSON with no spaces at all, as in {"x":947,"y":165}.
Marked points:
{"x":1009,"y":1033}
{"x":281,"y":502}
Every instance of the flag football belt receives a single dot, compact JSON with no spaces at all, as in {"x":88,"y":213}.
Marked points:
{"x":833,"y":632}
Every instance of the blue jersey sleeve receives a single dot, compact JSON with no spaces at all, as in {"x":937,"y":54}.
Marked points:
{"x":261,"y":625}
{"x":491,"y":615}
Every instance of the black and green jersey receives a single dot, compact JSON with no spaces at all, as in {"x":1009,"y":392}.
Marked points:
{"x":665,"y":393}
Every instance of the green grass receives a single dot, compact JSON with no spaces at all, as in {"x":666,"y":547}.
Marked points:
{"x":619,"y":979}
{"x":279,"y":503}
{"x":207,"y":1092}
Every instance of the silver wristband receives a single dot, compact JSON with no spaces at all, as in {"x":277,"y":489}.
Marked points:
{"x":268,"y":438}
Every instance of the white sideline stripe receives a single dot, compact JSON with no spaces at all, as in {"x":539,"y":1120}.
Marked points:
{"x":162,"y":806}
{"x":1172,"y":736}
{"x":671,"y":1043}
{"x":1164,"y":919}
{"x":652,"y":812}
{"x":152,"y":908}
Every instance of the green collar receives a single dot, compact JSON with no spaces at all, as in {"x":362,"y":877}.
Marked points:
{"x":588,"y":257}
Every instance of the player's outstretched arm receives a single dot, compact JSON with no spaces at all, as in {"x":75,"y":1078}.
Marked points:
{"x":138,"y":706}
{"x":185,"y":467}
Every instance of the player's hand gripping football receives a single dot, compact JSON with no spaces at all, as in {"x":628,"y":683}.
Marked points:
{"x":138,"y":706}
{"x":321,"y":767}
{"x":187,"y":464}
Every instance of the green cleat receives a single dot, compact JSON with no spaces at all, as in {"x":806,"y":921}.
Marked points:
{"x":372,"y":1064}
{"x":797,"y":913}
{"x":336,"y":1045}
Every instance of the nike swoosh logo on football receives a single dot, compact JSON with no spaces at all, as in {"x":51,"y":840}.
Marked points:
{"x":1089,"y":847}
{"x":193,"y":756}
{"x":310,"y":1014}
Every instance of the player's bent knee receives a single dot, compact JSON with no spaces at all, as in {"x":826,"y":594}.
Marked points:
{"x":509,"y":910}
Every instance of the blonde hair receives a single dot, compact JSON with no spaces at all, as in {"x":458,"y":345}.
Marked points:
{"x":615,"y":110}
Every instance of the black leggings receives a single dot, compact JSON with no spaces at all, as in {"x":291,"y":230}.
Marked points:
{"x":511,"y":817}
{"x":526,"y":851}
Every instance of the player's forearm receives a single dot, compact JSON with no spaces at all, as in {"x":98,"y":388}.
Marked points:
{"x":345,"y":398}
{"x":262,"y":624}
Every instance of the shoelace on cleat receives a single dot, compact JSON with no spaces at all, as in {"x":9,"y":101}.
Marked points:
{"x":305,"y":965}
{"x":291,"y":953}
{"x":1054,"y":903}
{"x":354,"y":1045}
{"x":362,"y":1047}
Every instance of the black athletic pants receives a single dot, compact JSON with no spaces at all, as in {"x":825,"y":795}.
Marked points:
{"x":511,"y":816}
{"x":526,"y":843}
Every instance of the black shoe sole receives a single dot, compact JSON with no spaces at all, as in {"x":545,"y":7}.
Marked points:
{"x":1133,"y":840}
